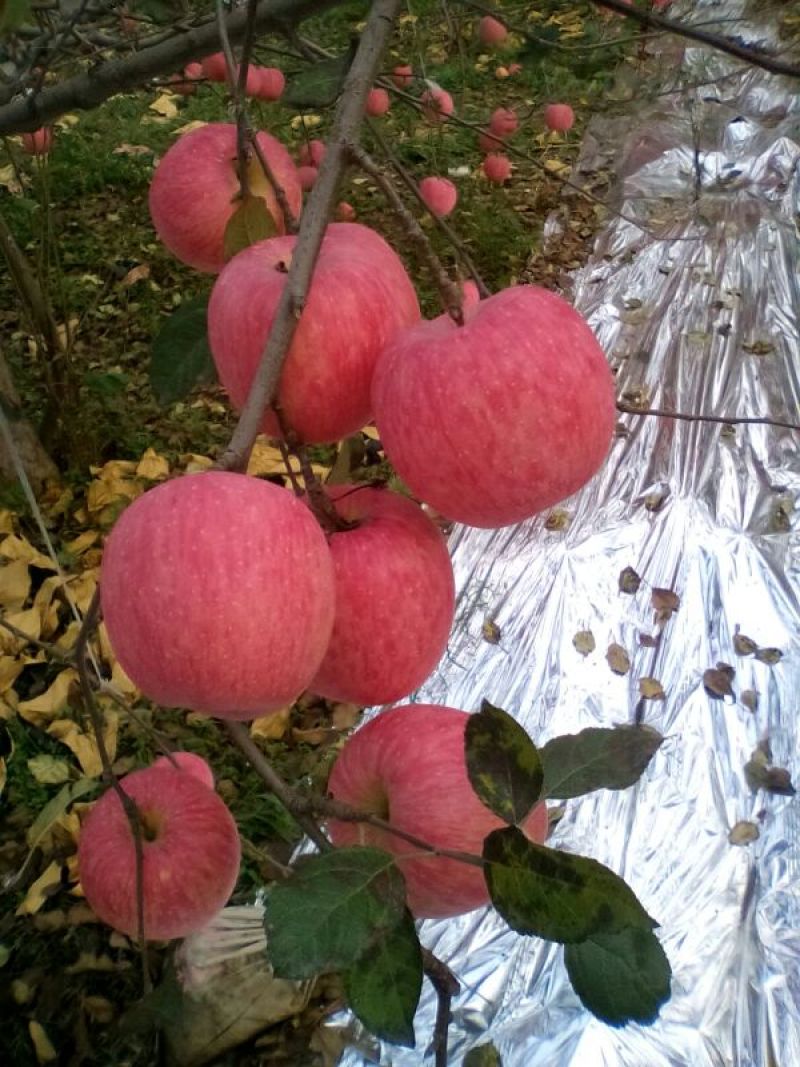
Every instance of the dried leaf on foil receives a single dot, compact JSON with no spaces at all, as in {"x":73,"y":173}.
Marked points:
{"x":483,"y":1056}
{"x":584,"y":642}
{"x":749,"y":697}
{"x":618,"y":659}
{"x":651,"y":689}
{"x":760,"y":774}
{"x":664,"y":602}
{"x":717,"y":683}
{"x":490,"y":632}
{"x":629,"y":581}
{"x":48,"y":883}
{"x":558,"y":520}
{"x":771,"y":656}
{"x":743,"y":833}
{"x":743,"y":646}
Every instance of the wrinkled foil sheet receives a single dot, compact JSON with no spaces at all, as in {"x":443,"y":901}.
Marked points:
{"x":694,"y":296}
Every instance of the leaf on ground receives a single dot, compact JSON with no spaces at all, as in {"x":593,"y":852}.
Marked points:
{"x":181,"y":358}
{"x":271,"y":727}
{"x":384,"y":986}
{"x":48,"y":770}
{"x":84,"y":745}
{"x":15,"y":585}
{"x":13,"y":547}
{"x":332,"y":910}
{"x":584,"y":642}
{"x":52,"y":702}
{"x":556,"y":895}
{"x":42,"y":1045}
{"x":165,"y":105}
{"x":152,"y":467}
{"x":48,"y":883}
{"x":597,"y":758}
{"x":620,"y":977}
{"x":618,"y":659}
{"x":503,"y":764}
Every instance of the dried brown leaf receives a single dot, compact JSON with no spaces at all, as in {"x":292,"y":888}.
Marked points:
{"x":491,"y":632}
{"x":749,"y":698}
{"x":629,"y":581}
{"x":743,"y":646}
{"x":664,"y":601}
{"x":770,"y":656}
{"x":584,"y":642}
{"x":743,"y":833}
{"x":717,"y":683}
{"x":618,"y":659}
{"x":651,"y":689}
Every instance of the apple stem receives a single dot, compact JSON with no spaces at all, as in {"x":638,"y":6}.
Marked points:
{"x":321,"y":202}
{"x":447,"y":986}
{"x":449,"y":292}
{"x":129,"y":806}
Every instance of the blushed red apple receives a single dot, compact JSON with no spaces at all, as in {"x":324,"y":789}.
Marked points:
{"x":307,"y":176}
{"x":403,"y":76}
{"x":217,"y":592}
{"x":360,"y":296}
{"x":271,"y":83}
{"x":345,"y":212}
{"x":497,"y":167}
{"x":311,"y":154}
{"x":491,"y":31}
{"x":559,"y":117}
{"x":503,"y":122}
{"x":195,"y":191}
{"x":39,"y":142}
{"x":517,"y":406}
{"x":439,"y":195}
{"x":378,"y":102}
{"x":189,"y":763}
{"x":488,"y":142}
{"x":190,"y":855}
{"x":214,"y":67}
{"x":437,"y":104}
{"x":407,"y":766}
{"x":394,"y":598}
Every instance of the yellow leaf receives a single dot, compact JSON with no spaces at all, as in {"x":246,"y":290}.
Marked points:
{"x":82,"y":589}
{"x":556,"y":166}
{"x":371,"y":432}
{"x":10,"y":668}
{"x":68,"y":638}
{"x":15,"y":584}
{"x":152,"y":466}
{"x":68,"y":120}
{"x":85,"y":745}
{"x":42,"y":888}
{"x":6,"y":521}
{"x":43,"y":603}
{"x":651,"y":689}
{"x":14,"y":547}
{"x":121,"y":681}
{"x":28,"y":621}
{"x":133,"y":150}
{"x":271,"y":727}
{"x":8,"y":180}
{"x":165,"y":105}
{"x":265,"y":459}
{"x":82,"y":542}
{"x":196,"y":124}
{"x":42,"y":1045}
{"x":47,"y":770}
{"x":43,"y":709}
{"x":191,"y":462}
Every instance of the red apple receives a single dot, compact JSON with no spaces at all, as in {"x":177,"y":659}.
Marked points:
{"x":470,"y":296}
{"x":360,"y":297}
{"x":439,"y":195}
{"x":559,"y":117}
{"x":503,"y":122}
{"x":514,"y":68}
{"x":217,"y":593}
{"x":182,"y":85}
{"x":345,"y":212}
{"x":497,"y":167}
{"x":489,"y":143}
{"x":189,"y":763}
{"x":193,"y":71}
{"x":215,"y":68}
{"x":378,"y":102}
{"x":394,"y":598}
{"x":307,"y":176}
{"x":195,"y":191}
{"x":407,"y":766}
{"x":271,"y":83}
{"x":311,"y":154}
{"x":403,"y":76}
{"x":190,"y":855}
{"x":517,"y":406}
{"x":491,"y":31}
{"x":437,"y":104}
{"x":39,"y":142}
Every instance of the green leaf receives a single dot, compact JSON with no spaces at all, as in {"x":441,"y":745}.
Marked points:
{"x":13,"y":13}
{"x":556,"y":895}
{"x":502,"y":763}
{"x":595,"y":758}
{"x":181,"y":358}
{"x":482,"y":1056}
{"x":383,"y":987}
{"x":251,"y":222}
{"x":319,"y":85}
{"x":333,"y":910}
{"x":622,"y":977}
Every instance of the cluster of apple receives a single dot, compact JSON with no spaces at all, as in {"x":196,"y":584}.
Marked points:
{"x":223,"y":594}
{"x":262,"y":83}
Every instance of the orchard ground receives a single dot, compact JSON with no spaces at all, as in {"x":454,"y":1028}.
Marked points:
{"x":83,"y":220}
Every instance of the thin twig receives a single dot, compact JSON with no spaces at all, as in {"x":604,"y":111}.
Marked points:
{"x":46,"y":646}
{"x":449,"y":293}
{"x":236,"y":85}
{"x":728,"y":420}
{"x":129,"y":805}
{"x":349,"y":116}
{"x":446,"y":985}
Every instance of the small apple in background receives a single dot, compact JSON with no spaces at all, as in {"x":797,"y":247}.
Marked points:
{"x":488,"y":142}
{"x":217,"y":594}
{"x":439,"y":195}
{"x":378,"y":102}
{"x":360,"y":296}
{"x":195,"y":191}
{"x":311,"y":154}
{"x":190,"y":855}
{"x":345,"y":212}
{"x":523,"y":384}
{"x":497,"y":167}
{"x":559,"y":117}
{"x":181,"y":85}
{"x":214,"y":67}
{"x":437,"y":104}
{"x":188,"y":763}
{"x":407,"y":766}
{"x":514,"y":68}
{"x":501,"y":73}
{"x":271,"y":83}
{"x":193,"y":71}
{"x":503,"y":122}
{"x":394,"y":598}
{"x":491,"y":31}
{"x":403,"y":76}
{"x":39,"y":142}
{"x":307,"y":176}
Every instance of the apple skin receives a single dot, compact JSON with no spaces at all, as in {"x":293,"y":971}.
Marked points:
{"x":195,"y":190}
{"x":271,"y":83}
{"x":559,"y":117}
{"x":312,"y":154}
{"x":345,"y":212}
{"x":193,"y":71}
{"x":38,"y":143}
{"x":491,"y":31}
{"x":503,"y":122}
{"x":218,"y":594}
{"x":360,"y":296}
{"x":189,"y":763}
{"x":378,"y":102}
{"x":407,"y":766}
{"x":395,"y":597}
{"x":307,"y":176}
{"x":517,"y":406}
{"x":439,"y":195}
{"x":488,"y":142}
{"x":189,"y":869}
{"x":403,"y":76}
{"x":497,"y":167}
{"x":214,"y":67}
{"x":437,"y":104}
